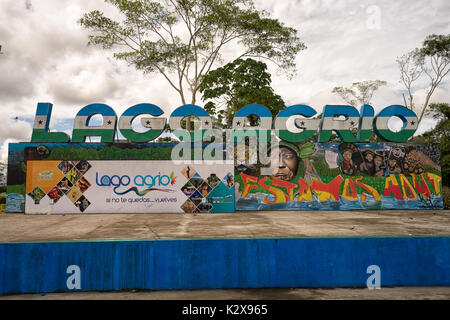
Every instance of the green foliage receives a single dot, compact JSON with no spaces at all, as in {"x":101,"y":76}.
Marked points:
{"x":110,"y":153}
{"x":446,"y":197}
{"x":2,"y":198}
{"x":19,"y":189}
{"x":440,"y":133}
{"x":322,"y":168}
{"x":440,"y":112}
{"x":433,"y":59}
{"x":3,"y":168}
{"x":149,"y":37}
{"x":165,"y":139}
{"x":236,"y":85}
{"x":437,"y":45}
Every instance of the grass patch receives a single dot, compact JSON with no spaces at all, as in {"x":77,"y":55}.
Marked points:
{"x":18,"y":188}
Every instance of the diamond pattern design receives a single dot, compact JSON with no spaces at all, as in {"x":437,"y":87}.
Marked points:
{"x":72,"y":185}
{"x":197,"y":189}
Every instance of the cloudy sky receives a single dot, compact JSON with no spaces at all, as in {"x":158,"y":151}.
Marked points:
{"x":45,"y":58}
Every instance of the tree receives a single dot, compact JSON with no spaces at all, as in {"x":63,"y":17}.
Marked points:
{"x":360,"y":93}
{"x":236,"y":85}
{"x":411,"y":68}
{"x":166,"y":139}
{"x":440,"y":112}
{"x":433,"y":59}
{"x":440,"y":133}
{"x":183,"y":39}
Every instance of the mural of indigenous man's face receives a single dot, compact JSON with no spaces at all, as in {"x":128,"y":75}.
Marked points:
{"x":284,"y":162}
{"x":369,"y":157}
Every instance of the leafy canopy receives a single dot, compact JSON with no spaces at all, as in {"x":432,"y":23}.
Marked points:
{"x":183,"y":39}
{"x":433,"y":60}
{"x":440,"y":133}
{"x":236,"y":85}
{"x":360,"y":93}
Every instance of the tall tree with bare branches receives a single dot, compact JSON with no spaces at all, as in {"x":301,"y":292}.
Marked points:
{"x":360,"y":93}
{"x":432,"y":60}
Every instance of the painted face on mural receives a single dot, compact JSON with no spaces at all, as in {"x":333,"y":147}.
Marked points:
{"x":347,"y":155}
{"x":284,"y":162}
{"x":378,"y":161}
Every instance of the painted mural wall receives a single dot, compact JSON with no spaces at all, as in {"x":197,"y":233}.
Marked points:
{"x":342,"y":176}
{"x":300,"y":176}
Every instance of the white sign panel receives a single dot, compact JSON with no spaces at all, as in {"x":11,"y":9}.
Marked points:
{"x":61,"y":187}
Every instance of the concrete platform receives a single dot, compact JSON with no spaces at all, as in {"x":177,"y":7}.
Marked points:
{"x":323,"y":249}
{"x":269,"y":224}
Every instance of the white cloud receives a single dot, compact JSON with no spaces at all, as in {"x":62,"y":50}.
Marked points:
{"x":4,"y":149}
{"x":15,"y":129}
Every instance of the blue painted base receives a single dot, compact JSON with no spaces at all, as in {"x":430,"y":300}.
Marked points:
{"x":224,"y":263}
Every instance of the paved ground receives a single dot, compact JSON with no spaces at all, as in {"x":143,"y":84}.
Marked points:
{"x":397,"y":293}
{"x":24,"y":228}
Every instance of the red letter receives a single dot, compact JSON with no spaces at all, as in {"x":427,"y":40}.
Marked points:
{"x":327,"y":190}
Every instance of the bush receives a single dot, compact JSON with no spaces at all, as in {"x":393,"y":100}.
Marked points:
{"x":2,"y":198}
{"x":446,"y":196}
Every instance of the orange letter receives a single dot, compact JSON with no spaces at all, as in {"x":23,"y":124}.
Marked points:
{"x":280,"y":196}
{"x":284,"y":184}
{"x":305,"y":191}
{"x":247,"y":187}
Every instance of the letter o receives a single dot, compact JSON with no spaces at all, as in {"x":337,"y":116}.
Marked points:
{"x":409,"y":118}
{"x":121,"y":180}
{"x":161,"y":180}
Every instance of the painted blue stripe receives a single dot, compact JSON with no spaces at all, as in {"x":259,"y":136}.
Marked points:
{"x":330,"y":111}
{"x":225,"y":263}
{"x":44,"y":109}
{"x":396,"y":110}
{"x":367,"y":111}
{"x":143,"y":108}
{"x":95,"y":108}
{"x":257,"y":109}
{"x":189,"y":109}
{"x":299,"y":109}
